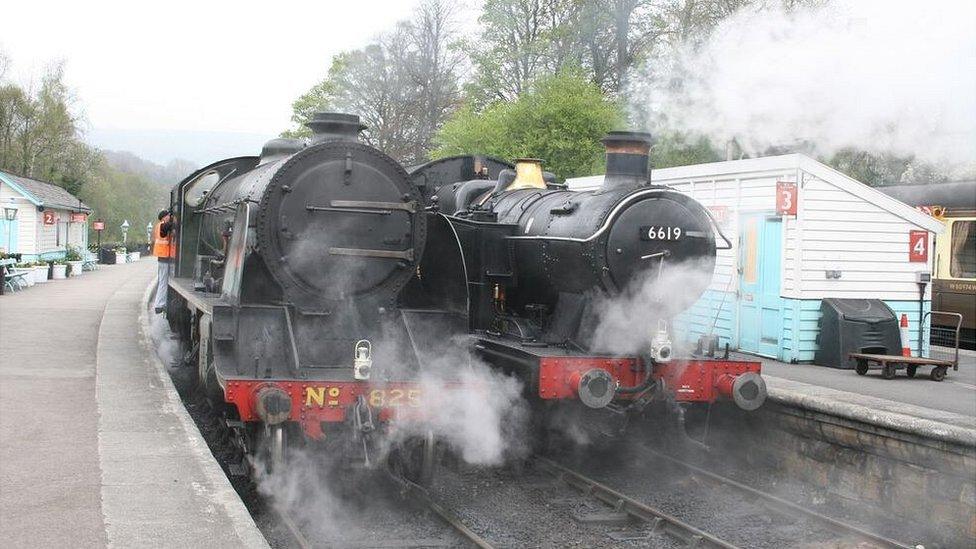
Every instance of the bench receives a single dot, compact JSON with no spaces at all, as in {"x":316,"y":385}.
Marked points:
{"x":12,"y":278}
{"x":90,"y":261}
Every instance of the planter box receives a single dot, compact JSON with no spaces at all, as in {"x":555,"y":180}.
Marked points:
{"x":59,"y":272}
{"x":134,"y":256}
{"x":76,"y":267}
{"x":40,"y":274}
{"x":120,"y":259}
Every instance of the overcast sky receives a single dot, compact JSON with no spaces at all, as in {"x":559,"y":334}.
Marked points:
{"x":197,"y":66}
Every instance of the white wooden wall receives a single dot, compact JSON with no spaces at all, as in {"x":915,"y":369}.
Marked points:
{"x":866,"y":243}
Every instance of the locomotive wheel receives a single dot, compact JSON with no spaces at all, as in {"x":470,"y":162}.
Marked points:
{"x":861,"y":368}
{"x":888,"y":372}
{"x":938,"y":373}
{"x":910,"y":371}
{"x":416,"y":459}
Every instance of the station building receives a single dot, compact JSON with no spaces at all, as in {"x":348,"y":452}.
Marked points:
{"x":800,"y":232}
{"x":39,"y":220}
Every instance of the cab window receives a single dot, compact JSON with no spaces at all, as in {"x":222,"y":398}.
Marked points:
{"x":962,"y":253}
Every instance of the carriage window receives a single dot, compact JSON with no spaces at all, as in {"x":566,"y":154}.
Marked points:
{"x":962,"y":262}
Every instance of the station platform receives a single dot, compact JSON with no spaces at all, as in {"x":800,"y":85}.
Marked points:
{"x":917,"y":405}
{"x":96,"y":449}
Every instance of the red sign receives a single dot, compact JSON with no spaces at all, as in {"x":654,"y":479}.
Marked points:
{"x":720,"y":213}
{"x":786,"y":196}
{"x":98,"y":225}
{"x":78,"y":217}
{"x":50,"y":218}
{"x":918,"y":246}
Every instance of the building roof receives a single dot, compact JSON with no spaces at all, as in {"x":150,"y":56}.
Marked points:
{"x":783,"y":163}
{"x":44,"y":194}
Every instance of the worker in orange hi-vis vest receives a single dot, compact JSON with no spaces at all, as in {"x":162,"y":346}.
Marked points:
{"x":164,"y":248}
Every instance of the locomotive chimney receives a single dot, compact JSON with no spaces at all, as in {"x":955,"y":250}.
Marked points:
{"x":334,"y":126}
{"x":627,"y":164}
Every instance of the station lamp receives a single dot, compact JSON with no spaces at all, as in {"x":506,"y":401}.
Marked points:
{"x":10,"y":214}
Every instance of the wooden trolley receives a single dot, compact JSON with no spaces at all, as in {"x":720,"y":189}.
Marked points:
{"x":890,"y":363}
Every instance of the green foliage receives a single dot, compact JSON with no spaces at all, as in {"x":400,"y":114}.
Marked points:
{"x":116,"y":196}
{"x":40,"y":138}
{"x":559,"y":119}
{"x":321,"y":97}
{"x":73,"y":254}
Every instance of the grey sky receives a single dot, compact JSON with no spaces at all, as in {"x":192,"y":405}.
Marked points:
{"x":197,"y":66}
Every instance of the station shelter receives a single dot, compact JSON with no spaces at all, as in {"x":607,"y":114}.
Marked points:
{"x":40,"y":220}
{"x":800,"y":232}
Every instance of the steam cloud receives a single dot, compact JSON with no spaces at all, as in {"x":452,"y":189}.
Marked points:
{"x":884,"y":76}
{"x":627,"y":322}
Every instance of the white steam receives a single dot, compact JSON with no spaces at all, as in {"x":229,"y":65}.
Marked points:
{"x":628,"y":322}
{"x":166,"y":343}
{"x":885,"y":76}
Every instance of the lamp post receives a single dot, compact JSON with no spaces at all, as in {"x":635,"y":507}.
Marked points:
{"x":125,"y":230}
{"x":10,"y":214}
{"x":149,"y":227}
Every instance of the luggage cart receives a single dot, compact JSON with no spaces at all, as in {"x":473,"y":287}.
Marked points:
{"x":888,"y":364}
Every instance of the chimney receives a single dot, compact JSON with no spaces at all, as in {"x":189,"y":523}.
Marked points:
{"x":627,"y":164}
{"x":334,"y":126}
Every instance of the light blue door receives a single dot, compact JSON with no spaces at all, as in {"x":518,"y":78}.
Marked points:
{"x":760,"y":312}
{"x":8,"y":234}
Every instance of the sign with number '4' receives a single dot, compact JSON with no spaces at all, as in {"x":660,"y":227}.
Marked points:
{"x":786,"y":195}
{"x":918,"y":246}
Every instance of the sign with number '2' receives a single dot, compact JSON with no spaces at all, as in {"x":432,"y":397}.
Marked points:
{"x":918,"y":246}
{"x":786,"y":195}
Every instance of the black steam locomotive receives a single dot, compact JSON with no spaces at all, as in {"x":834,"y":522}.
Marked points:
{"x":318,"y":283}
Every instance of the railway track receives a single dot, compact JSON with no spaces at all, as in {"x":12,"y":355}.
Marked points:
{"x":780,"y":505}
{"x":647,"y":523}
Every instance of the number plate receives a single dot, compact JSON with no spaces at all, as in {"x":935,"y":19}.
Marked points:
{"x":394,"y":398}
{"x":660,"y":232}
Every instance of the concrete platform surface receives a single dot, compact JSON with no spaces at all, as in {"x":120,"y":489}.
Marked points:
{"x":96,"y":448}
{"x":895,"y":401}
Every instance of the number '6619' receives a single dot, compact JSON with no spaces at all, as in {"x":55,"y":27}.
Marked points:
{"x":663,"y":233}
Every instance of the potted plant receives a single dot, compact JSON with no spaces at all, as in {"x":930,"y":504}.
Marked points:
{"x":41,"y":271}
{"x":60,"y":269}
{"x":27,"y":268}
{"x":120,"y":255}
{"x":74,"y":260}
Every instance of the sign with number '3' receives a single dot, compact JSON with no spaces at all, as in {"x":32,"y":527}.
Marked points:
{"x":786,"y":195}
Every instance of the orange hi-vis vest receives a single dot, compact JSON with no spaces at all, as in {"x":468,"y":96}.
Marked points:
{"x":163,"y":246}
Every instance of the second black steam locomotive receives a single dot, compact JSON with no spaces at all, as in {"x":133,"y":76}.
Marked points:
{"x":318,"y":283}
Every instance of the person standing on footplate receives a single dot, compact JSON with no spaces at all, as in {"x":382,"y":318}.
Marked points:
{"x":164,"y":248}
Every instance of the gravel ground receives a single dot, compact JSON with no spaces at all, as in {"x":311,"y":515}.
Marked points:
{"x":529,"y":508}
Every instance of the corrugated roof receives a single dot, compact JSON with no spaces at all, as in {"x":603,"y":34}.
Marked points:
{"x":45,"y":194}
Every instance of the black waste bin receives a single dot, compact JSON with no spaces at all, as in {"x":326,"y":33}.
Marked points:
{"x":855,"y":326}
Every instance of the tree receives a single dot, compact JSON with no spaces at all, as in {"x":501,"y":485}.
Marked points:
{"x":403,"y":86}
{"x":520,"y":41}
{"x":559,"y":119}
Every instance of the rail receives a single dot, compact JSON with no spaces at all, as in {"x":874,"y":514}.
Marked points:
{"x":421,"y":495}
{"x":659,"y":520}
{"x":780,"y":504}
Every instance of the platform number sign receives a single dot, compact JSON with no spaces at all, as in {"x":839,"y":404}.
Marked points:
{"x":786,"y":196}
{"x":50,"y":218}
{"x":918,"y":246}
